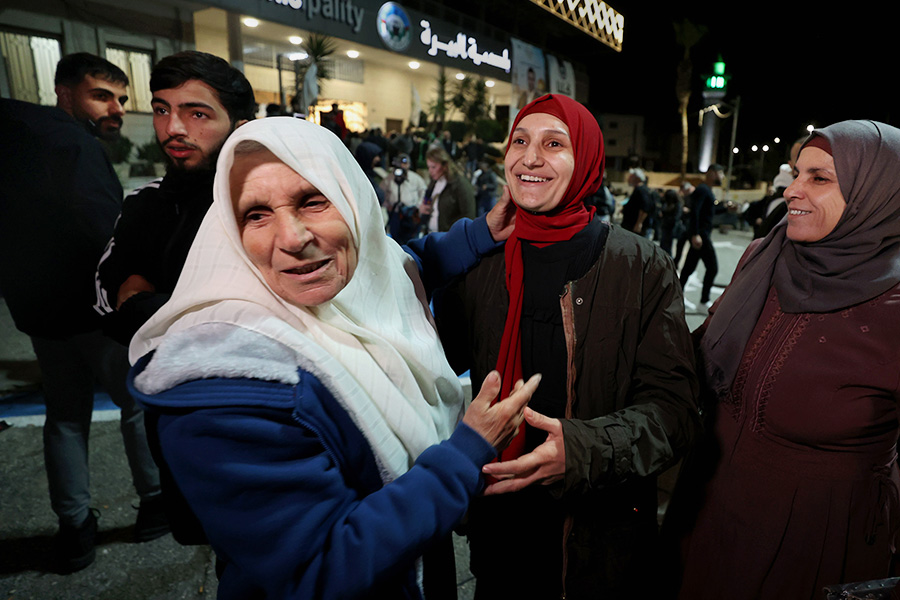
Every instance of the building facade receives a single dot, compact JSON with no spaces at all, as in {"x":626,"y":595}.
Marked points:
{"x":384,"y":69}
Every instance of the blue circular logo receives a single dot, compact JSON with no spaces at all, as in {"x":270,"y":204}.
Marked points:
{"x":394,"y":27}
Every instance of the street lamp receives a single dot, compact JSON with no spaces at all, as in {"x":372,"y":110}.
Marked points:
{"x":762,"y":159}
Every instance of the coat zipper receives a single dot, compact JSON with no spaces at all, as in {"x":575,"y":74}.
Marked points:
{"x":568,"y":317}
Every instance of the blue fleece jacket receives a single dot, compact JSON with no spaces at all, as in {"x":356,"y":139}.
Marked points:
{"x":287,"y":489}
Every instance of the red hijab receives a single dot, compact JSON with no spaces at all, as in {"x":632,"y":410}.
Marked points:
{"x":557,"y":225}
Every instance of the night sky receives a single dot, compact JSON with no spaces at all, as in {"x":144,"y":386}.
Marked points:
{"x":792,"y":63}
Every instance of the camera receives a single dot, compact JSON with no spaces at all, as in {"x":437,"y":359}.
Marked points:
{"x":400,"y":164}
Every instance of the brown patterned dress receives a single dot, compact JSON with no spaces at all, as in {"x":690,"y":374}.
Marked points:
{"x":804,"y":492}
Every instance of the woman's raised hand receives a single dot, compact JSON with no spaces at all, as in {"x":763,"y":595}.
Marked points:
{"x":501,"y":219}
{"x":499,"y":423}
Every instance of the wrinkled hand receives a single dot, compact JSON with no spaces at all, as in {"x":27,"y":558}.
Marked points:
{"x":501,"y":219}
{"x":697,"y":242}
{"x":498,"y":424}
{"x":545,"y":464}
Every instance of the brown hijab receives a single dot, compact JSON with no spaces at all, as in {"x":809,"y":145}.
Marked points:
{"x":859,"y":260}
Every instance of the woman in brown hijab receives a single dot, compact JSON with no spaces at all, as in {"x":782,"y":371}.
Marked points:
{"x":798,"y":486}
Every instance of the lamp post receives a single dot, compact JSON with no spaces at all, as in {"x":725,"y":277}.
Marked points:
{"x":713,"y":93}
{"x":762,"y":159}
{"x":734,"y":122}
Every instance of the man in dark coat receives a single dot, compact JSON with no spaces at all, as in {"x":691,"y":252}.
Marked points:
{"x":638,"y":211}
{"x":700,"y":226}
{"x":59,"y":199}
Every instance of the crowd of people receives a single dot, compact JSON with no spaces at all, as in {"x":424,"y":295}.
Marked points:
{"x":406,"y":169}
{"x":283,"y":323}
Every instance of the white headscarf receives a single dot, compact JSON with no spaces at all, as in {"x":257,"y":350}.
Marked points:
{"x":374,"y":345}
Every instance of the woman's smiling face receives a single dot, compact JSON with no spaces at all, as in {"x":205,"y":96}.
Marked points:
{"x":815,"y":202}
{"x":292,"y":233}
{"x":540,"y":162}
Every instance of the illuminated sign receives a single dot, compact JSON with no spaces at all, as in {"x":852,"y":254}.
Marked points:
{"x":718,"y":81}
{"x":463,"y":47}
{"x":597,"y":19}
{"x":342,"y":11}
{"x":394,"y":26}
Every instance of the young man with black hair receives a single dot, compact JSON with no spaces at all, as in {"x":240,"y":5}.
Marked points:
{"x":92,"y":90}
{"x":59,"y":199}
{"x":198,"y":100}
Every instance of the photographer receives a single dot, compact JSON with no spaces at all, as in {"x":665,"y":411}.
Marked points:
{"x":403,"y":191}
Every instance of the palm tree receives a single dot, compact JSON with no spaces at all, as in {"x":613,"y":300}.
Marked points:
{"x":470,"y":98}
{"x":687,"y":35}
{"x":438,"y":107}
{"x":318,"y":48}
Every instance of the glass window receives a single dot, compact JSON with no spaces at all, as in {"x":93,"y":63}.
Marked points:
{"x":137,"y":65}
{"x":31,"y":65}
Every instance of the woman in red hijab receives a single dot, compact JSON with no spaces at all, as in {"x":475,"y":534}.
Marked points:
{"x":597,"y":311}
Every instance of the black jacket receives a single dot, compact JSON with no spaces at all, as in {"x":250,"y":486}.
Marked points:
{"x":59,"y":198}
{"x":152,"y":239}
{"x":631,"y":410}
{"x":703,"y":206}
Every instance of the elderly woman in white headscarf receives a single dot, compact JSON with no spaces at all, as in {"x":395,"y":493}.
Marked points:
{"x":300,"y":394}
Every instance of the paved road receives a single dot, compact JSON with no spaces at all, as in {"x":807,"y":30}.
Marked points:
{"x":161,"y":569}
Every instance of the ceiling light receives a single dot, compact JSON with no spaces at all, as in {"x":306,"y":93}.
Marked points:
{"x":460,"y":76}
{"x":353,"y":53}
{"x":251,"y":22}
{"x":489,"y":83}
{"x":296,"y":40}
{"x":414,"y":65}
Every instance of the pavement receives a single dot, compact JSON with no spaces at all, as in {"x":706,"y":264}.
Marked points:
{"x":161,"y":569}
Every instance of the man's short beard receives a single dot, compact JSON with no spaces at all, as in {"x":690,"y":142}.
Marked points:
{"x":108,"y":135}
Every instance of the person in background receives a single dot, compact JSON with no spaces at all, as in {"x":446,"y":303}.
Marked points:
{"x":298,"y":386}
{"x":59,"y":199}
{"x":603,"y":201}
{"x":404,"y":190}
{"x":449,"y":144}
{"x":699,"y":230}
{"x":198,"y":100}
{"x":449,"y":196}
{"x":474,"y":151}
{"x":485,"y":181}
{"x":801,"y":363}
{"x":376,"y":136}
{"x":637,"y":212}
{"x":670,"y":221}
{"x":334,"y":121}
{"x":572,"y":511}
{"x":685,"y":191}
{"x":368,"y":155}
